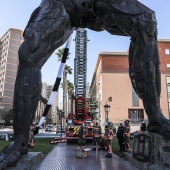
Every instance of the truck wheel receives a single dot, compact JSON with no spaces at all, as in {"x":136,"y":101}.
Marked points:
{"x":68,"y":141}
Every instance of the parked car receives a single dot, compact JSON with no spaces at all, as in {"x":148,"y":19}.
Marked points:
{"x":49,"y":128}
{"x":59,"y":130}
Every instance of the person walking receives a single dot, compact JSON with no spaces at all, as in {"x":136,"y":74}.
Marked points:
{"x":127,"y":136}
{"x":143,"y":126}
{"x":82,"y":136}
{"x":96,"y":136}
{"x":120,"y":137}
{"x":109,"y":138}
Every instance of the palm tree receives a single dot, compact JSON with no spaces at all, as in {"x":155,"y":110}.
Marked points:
{"x":60,"y":54}
{"x":70,"y":87}
{"x":67,"y":70}
{"x":70,"y":90}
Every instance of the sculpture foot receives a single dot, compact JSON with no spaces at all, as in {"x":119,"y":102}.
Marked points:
{"x":11,"y":154}
{"x":161,"y":125}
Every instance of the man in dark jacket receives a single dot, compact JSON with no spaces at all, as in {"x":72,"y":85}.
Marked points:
{"x":126,"y":135}
{"x":143,"y":126}
{"x":120,"y":137}
{"x":109,"y":138}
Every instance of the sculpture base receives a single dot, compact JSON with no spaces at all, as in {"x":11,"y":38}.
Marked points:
{"x":81,"y":153}
{"x":151,"y":151}
{"x":28,"y":161}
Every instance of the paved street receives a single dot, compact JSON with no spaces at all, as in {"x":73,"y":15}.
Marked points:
{"x":62,"y":157}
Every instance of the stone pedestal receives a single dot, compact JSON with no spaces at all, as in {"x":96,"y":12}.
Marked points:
{"x":150,"y":150}
{"x":28,"y":161}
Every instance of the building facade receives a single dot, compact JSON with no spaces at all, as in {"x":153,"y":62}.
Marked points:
{"x":52,"y":116}
{"x":9,"y":45}
{"x":111,"y":79}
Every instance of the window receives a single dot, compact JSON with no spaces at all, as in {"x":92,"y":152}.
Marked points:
{"x":168,"y":80}
{"x":168,"y":66}
{"x":135,"y":98}
{"x":136,"y":115}
{"x":168,"y":88}
{"x":167,"y":51}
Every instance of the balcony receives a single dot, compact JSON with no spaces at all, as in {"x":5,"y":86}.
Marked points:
{"x":136,"y":120}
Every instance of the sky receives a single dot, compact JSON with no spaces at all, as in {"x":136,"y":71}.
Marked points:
{"x":16,"y":13}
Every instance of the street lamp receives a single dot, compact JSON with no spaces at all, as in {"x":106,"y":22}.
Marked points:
{"x":107,"y":110}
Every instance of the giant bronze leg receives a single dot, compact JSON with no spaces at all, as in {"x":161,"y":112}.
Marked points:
{"x":138,"y":22}
{"x":42,"y":37}
{"x":145,"y":73}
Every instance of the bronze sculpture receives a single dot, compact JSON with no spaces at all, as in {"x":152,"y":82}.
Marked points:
{"x":49,"y":27}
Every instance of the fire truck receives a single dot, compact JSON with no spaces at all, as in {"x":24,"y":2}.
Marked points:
{"x":82,"y":114}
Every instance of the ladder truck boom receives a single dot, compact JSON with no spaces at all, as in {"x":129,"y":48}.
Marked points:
{"x":80,"y":67}
{"x":82,"y":114}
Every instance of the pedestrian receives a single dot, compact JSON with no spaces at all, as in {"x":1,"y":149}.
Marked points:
{"x":127,"y":136}
{"x":96,"y":136}
{"x":120,"y":137}
{"x":32,"y":134}
{"x":143,"y":126}
{"x":82,"y":136}
{"x":109,"y":139}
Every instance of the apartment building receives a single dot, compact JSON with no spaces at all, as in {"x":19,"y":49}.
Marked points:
{"x":52,"y":114}
{"x":111,"y":79}
{"x":9,"y":45}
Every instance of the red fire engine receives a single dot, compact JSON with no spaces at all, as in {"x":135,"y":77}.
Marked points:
{"x":82,"y":114}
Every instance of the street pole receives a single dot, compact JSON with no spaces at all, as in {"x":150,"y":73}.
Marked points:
{"x":107,"y":109}
{"x":61,"y":123}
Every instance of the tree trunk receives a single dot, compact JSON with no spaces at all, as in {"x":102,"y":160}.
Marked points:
{"x":71,"y":103}
{"x":65,"y":92}
{"x":68,"y":102}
